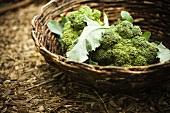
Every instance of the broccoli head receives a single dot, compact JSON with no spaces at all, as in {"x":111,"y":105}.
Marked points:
{"x":146,"y":48}
{"x":96,"y":15}
{"x":124,"y":45}
{"x":136,"y":31}
{"x":110,"y":38}
{"x":69,"y":35}
{"x":126,"y":30}
{"x":102,"y":56}
{"x":77,"y":17}
{"x":120,"y":57}
{"x":139,"y":61}
{"x":74,"y":27}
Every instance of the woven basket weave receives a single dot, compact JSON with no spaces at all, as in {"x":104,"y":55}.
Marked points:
{"x":151,"y":15}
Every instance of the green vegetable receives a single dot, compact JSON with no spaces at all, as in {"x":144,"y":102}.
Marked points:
{"x":126,"y":30}
{"x":89,"y":40}
{"x":77,"y":17}
{"x":163,"y":53}
{"x":55,"y":27}
{"x":125,"y":52}
{"x":106,"y":21}
{"x":69,"y":35}
{"x":147,"y":35}
{"x":126,"y":16}
{"x":124,"y":45}
{"x":73,"y":29}
{"x":86,"y":39}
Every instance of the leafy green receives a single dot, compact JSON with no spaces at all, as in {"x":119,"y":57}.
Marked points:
{"x":91,"y":22}
{"x":147,"y":35}
{"x":163,"y":54}
{"x":106,"y":21}
{"x":64,"y":19}
{"x":126,"y":16}
{"x":89,"y":40}
{"x":55,"y":27}
{"x":118,"y":21}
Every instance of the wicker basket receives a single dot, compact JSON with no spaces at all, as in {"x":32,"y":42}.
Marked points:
{"x":152,"y":15}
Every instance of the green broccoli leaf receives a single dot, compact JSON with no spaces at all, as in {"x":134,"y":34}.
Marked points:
{"x":126,"y":16}
{"x":163,"y":54}
{"x":64,"y":19}
{"x":55,"y":27}
{"x":106,"y":21}
{"x":147,"y":35}
{"x":89,"y":40}
{"x":118,"y":21}
{"x":91,"y":22}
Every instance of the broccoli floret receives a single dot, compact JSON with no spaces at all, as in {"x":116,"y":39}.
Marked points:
{"x":152,"y":52}
{"x":103,"y":57}
{"x":77,"y":17}
{"x":121,"y":58}
{"x":110,"y":38}
{"x":149,"y":52}
{"x":127,"y":30}
{"x":85,"y":9}
{"x":124,"y":29}
{"x":136,"y":31}
{"x":146,"y":49}
{"x":123,"y":45}
{"x":139,"y":61}
{"x":140,"y":41}
{"x":74,"y":27}
{"x":69,"y":35}
{"x":96,"y":15}
{"x":77,"y":21}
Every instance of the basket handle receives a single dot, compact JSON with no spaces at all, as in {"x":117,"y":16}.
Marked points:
{"x":47,"y":5}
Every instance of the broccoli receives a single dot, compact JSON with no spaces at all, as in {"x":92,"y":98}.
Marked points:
{"x":147,"y":49}
{"x":96,"y":15}
{"x":124,"y":45}
{"x":124,"y":29}
{"x":140,"y":61}
{"x":77,"y":17}
{"x":127,"y":30}
{"x":74,"y":27}
{"x":136,"y":31}
{"x":110,"y":37}
{"x":69,"y":35}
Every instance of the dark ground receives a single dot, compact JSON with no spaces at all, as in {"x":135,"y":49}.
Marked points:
{"x":29,"y":85}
